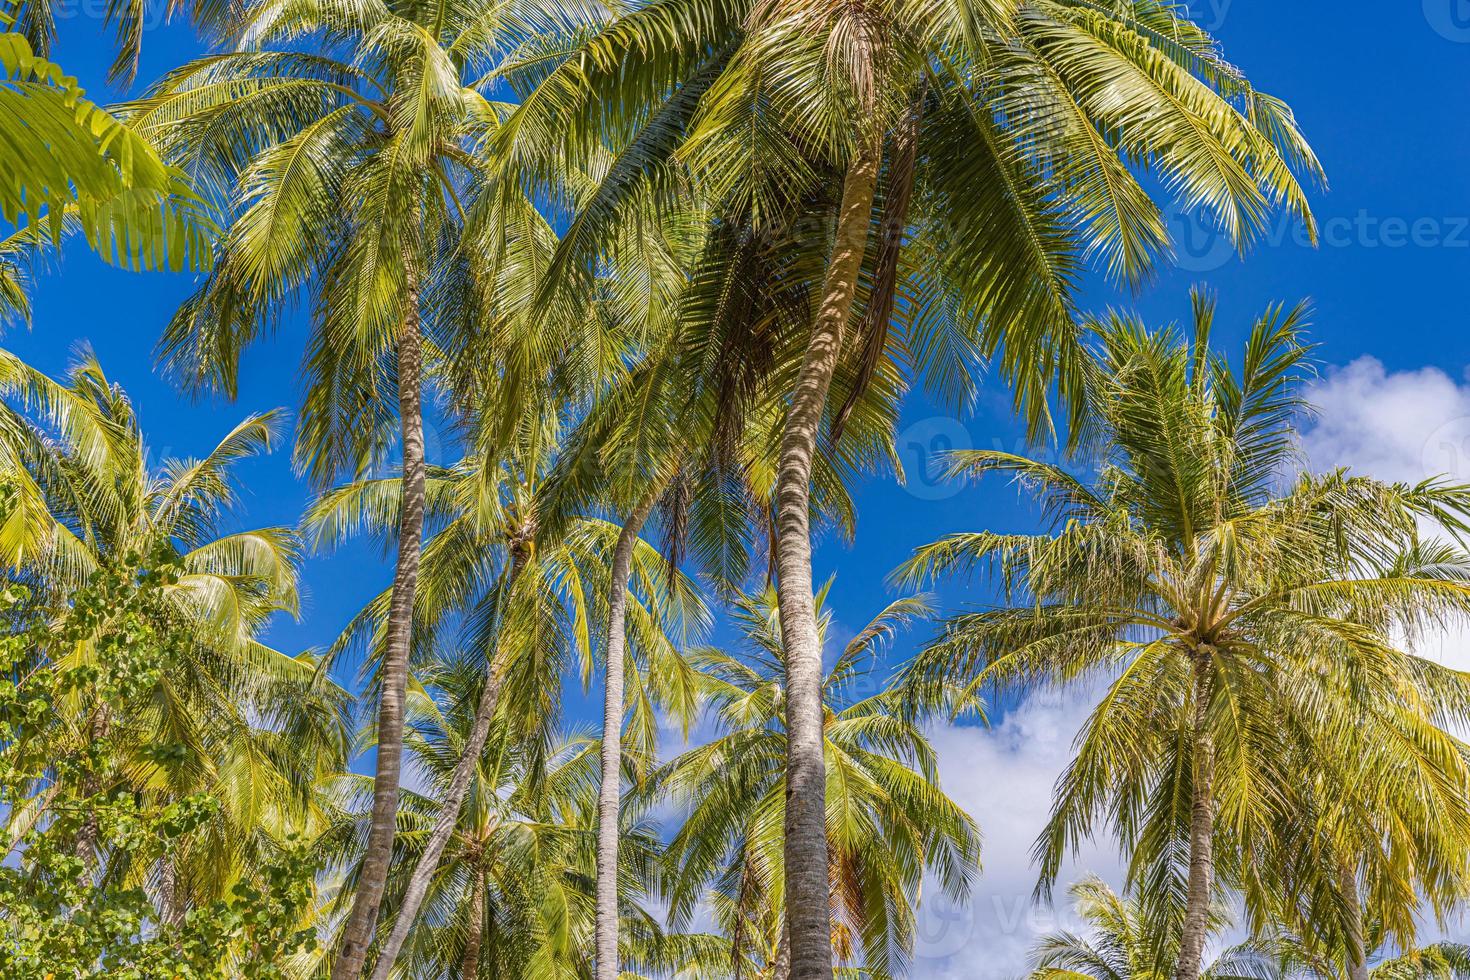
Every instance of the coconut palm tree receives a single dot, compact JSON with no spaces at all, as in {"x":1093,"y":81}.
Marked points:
{"x":342,"y":140}
{"x":1241,"y":629}
{"x":1001,"y":136}
{"x":889,"y":823}
{"x":1390,"y":961}
{"x":260,"y":732}
{"x":1125,"y":943}
{"x":511,"y":895}
{"x":689,"y":437}
{"x":1438,"y":961}
{"x":69,"y":162}
{"x":516,"y":388}
{"x":1381,"y":847}
{"x":528,"y":591}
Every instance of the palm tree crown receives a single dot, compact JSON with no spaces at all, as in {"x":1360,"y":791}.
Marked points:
{"x":1234,"y":622}
{"x":888,"y":822}
{"x":1124,"y":943}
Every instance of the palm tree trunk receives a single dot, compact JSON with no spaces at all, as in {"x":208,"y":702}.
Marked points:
{"x":170,"y":902}
{"x":449,"y":807}
{"x":469,"y":963}
{"x":807,"y":888}
{"x":89,"y":833}
{"x":358,"y":932}
{"x":609,"y":797}
{"x":1357,"y":956}
{"x":1201,"y":830}
{"x":782,"y":969}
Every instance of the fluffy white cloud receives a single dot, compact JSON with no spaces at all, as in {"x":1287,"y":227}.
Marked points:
{"x":1004,"y":777}
{"x":1400,"y":425}
{"x":1404,"y":425}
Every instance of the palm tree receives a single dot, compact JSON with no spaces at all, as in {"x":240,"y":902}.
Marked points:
{"x":1436,"y":961}
{"x":1007,"y":128}
{"x":260,"y":732}
{"x":69,"y":162}
{"x":342,"y":139}
{"x":1242,"y":631}
{"x":690,"y":434}
{"x":888,"y":821}
{"x":529,"y":590}
{"x":511,"y":895}
{"x":1383,"y":847}
{"x":1126,"y":943}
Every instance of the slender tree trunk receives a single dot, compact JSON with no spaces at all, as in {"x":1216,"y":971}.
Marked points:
{"x":807,"y":888}
{"x":609,"y":797}
{"x":782,"y":969}
{"x":1201,"y":830}
{"x":170,"y":902}
{"x":86,"y":845}
{"x":89,"y":833}
{"x":469,"y":964}
{"x":1357,"y":955}
{"x":358,"y":932}
{"x":453,"y":802}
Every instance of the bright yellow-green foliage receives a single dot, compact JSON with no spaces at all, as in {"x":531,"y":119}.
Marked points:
{"x":60,"y":917}
{"x":588,"y":242}
{"x":521,"y":857}
{"x":257,"y":730}
{"x":1123,"y":942}
{"x":1246,"y":630}
{"x":1035,"y":125}
{"x":60,"y":155}
{"x":889,"y":824}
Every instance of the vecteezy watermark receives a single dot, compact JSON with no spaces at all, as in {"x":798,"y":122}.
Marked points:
{"x":944,"y":927}
{"x":1446,"y":452}
{"x":1202,"y":245}
{"x":1209,"y":14}
{"x":923,"y":449}
{"x":155,"y":12}
{"x":1449,"y":18}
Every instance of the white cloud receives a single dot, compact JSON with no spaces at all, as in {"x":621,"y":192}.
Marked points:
{"x":1004,"y":778}
{"x":1401,"y":425}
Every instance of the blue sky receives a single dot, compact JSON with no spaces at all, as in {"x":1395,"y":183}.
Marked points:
{"x":1380,"y":91}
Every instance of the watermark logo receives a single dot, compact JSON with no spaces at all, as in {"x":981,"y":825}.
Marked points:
{"x":923,"y":449}
{"x":153,"y":13}
{"x":1446,"y":452}
{"x":1450,"y":19}
{"x":1209,"y":14}
{"x":1202,"y":245}
{"x":943,"y":927}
